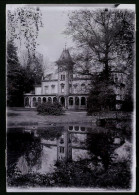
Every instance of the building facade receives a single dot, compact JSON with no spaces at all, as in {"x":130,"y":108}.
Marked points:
{"x":69,"y":89}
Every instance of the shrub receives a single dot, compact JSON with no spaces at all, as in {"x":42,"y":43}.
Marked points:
{"x":48,"y":108}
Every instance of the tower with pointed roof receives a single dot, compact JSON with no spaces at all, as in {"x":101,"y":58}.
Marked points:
{"x":65,"y":76}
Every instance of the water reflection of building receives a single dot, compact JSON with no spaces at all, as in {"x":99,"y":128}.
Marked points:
{"x":72,"y":138}
{"x":64,"y":147}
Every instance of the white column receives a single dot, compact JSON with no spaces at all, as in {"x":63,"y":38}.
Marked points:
{"x":74,"y":101}
{"x":79,"y":102}
{"x":31,"y":101}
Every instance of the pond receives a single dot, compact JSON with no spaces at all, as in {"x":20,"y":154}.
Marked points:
{"x":72,"y":155}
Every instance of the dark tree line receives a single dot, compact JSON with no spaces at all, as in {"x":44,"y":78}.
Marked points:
{"x":20,"y":79}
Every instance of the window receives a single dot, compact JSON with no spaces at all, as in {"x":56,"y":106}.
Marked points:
{"x":71,"y":101}
{"x":52,"y":88}
{"x":83,"y":101}
{"x":76,"y":128}
{"x":54,"y":99}
{"x":83,"y":87}
{"x":34,"y":102}
{"x":61,"y":149}
{"x":44,"y":99}
{"x":115,"y":78}
{"x":62,"y":77}
{"x":62,"y":88}
{"x":75,"y":88}
{"x":62,"y":141}
{"x":70,"y":88}
{"x":70,"y":127}
{"x":46,"y":89}
{"x":49,"y":99}
{"x":39,"y":100}
{"x":82,"y":128}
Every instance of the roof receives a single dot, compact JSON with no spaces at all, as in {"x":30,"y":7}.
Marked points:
{"x":65,"y":57}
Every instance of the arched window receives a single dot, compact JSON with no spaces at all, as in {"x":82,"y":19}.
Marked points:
{"x":27,"y":101}
{"x":62,"y":101}
{"x":39,"y":100}
{"x":44,"y":99}
{"x":76,"y":128}
{"x":54,"y":99}
{"x":70,"y":128}
{"x":71,"y":101}
{"x":62,"y":141}
{"x":83,"y":101}
{"x":46,"y":89}
{"x":34,"y":102}
{"x":82,"y":128}
{"x":70,"y":88}
{"x":62,"y":88}
{"x":75,"y":88}
{"x":49,"y":99}
{"x":76,"y":100}
{"x":53,"y":88}
{"x":83,"y":86}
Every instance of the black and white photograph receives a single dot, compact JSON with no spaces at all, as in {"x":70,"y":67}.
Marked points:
{"x":70,"y":98}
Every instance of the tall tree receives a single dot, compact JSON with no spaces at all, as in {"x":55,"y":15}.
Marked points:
{"x":35,"y":65}
{"x":107,"y":35}
{"x":23,"y":24}
{"x":14,"y":75}
{"x":105,"y":41}
{"x":19,"y":79}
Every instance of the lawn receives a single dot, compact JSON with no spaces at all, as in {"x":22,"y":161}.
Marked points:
{"x":22,"y":116}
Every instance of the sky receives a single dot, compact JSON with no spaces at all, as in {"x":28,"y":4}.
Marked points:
{"x":51,"y":39}
{"x":55,"y":19}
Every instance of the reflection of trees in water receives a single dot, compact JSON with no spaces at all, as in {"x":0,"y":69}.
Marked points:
{"x":79,"y":139}
{"x":19,"y":145}
{"x":33,"y":152}
{"x":25,"y":148}
{"x":102,"y":145}
{"x":51,"y":133}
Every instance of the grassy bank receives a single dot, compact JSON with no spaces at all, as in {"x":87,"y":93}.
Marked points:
{"x":22,"y":116}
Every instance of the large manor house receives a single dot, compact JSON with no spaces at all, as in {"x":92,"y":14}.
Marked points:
{"x":69,"y":89}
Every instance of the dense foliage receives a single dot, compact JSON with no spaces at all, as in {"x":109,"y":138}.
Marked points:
{"x":48,"y":108}
{"x":106,"y":37}
{"x":77,"y":174}
{"x":20,"y":79}
{"x":23,"y":26}
{"x":105,"y":42}
{"x":101,"y":96}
